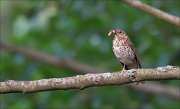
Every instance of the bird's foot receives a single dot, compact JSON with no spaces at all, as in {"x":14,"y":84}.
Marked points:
{"x":131,"y":74}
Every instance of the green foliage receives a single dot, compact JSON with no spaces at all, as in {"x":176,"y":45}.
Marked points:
{"x":78,"y":30}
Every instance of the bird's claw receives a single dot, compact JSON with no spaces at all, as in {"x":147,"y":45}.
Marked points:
{"x":131,"y":74}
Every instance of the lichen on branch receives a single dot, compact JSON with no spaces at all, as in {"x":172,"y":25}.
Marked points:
{"x":90,"y":80}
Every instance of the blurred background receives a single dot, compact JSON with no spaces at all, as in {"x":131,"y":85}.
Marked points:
{"x":77,"y":30}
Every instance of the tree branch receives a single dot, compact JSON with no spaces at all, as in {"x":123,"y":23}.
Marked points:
{"x":48,"y":59}
{"x":71,"y":64}
{"x":157,"y":89}
{"x":90,"y":80}
{"x":153,"y":11}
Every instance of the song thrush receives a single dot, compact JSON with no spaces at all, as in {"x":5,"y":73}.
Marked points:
{"x":124,"y":50}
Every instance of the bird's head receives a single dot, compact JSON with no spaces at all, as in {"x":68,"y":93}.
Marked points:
{"x":117,"y":33}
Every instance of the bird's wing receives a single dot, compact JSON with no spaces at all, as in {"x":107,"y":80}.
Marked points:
{"x":135,"y":53}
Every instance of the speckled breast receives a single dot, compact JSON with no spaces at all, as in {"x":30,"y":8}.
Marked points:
{"x":124,"y":53}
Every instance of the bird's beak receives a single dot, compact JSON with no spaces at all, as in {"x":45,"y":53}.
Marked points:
{"x":111,"y":32}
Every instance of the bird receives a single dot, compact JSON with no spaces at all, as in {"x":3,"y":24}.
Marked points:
{"x":124,"y":50}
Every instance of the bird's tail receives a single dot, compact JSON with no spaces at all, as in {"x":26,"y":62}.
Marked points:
{"x":135,"y":65}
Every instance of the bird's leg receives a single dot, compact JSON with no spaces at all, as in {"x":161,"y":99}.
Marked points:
{"x":123,"y":67}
